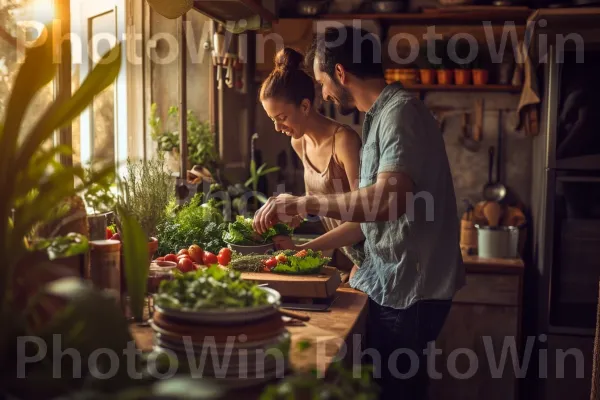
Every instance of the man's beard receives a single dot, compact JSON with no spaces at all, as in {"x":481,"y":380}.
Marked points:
{"x":345,"y":101}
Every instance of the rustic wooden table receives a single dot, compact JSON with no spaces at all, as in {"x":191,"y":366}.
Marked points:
{"x":331,"y":334}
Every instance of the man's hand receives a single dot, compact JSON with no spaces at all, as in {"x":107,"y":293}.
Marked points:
{"x":282,"y":208}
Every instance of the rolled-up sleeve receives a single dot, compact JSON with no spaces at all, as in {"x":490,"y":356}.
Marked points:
{"x":397,"y":138}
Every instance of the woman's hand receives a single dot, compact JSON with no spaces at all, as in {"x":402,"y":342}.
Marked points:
{"x":283,"y":242}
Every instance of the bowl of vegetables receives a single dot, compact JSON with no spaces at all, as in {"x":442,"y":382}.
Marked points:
{"x":243,"y":239}
{"x":215,"y":295}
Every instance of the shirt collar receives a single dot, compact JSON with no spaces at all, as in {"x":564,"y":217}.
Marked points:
{"x":384,"y":96}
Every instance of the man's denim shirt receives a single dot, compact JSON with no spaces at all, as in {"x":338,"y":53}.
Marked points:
{"x":415,"y":256}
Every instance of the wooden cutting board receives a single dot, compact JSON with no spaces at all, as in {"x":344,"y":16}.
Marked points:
{"x":321,"y":286}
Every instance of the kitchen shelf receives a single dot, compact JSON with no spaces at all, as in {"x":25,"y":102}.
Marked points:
{"x":446,"y":16}
{"x":464,"y":88}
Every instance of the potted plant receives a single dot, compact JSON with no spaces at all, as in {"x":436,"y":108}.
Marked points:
{"x":426,"y":69}
{"x":200,"y":138}
{"x":145,"y":192}
{"x":444,"y":72}
{"x":480,"y":74}
{"x":100,"y":201}
{"x":462,"y":75}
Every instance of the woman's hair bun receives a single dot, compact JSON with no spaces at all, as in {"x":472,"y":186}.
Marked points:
{"x":288,"y":59}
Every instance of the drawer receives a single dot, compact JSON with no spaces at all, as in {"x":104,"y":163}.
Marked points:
{"x":490,"y":289}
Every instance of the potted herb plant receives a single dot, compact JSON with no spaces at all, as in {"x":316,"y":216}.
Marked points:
{"x":200,"y":137}
{"x":101,"y":201}
{"x":145,"y":192}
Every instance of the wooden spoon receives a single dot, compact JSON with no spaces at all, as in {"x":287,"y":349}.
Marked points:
{"x":294,"y":314}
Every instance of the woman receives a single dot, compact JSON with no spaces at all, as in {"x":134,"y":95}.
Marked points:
{"x":329,"y":150}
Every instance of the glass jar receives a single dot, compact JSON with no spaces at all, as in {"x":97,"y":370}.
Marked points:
{"x":159,"y":271}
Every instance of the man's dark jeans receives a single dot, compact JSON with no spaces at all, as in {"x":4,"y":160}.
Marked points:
{"x":400,"y":338}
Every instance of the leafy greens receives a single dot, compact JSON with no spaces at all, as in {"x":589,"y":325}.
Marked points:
{"x":311,"y":263}
{"x":212,"y":288}
{"x":242,"y":233}
{"x":194,"y":223}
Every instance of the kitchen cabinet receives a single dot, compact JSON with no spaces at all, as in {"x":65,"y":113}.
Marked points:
{"x":485,"y":318}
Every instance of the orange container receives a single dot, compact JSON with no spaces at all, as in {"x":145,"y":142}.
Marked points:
{"x":462,"y":76}
{"x":480,"y":76}
{"x":427,"y":76}
{"x":445,"y":76}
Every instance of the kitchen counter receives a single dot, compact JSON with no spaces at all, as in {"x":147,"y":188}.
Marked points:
{"x":326,"y":332}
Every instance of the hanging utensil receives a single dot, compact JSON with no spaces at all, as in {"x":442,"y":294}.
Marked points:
{"x":497,"y":191}
{"x":489,"y":193}
{"x":471,"y":138}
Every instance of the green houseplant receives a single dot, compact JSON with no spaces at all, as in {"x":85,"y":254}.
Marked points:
{"x":145,"y":192}
{"x":34,"y":300}
{"x":200,"y":138}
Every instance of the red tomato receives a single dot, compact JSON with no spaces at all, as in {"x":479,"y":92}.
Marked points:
{"x":209,"y":258}
{"x":270,"y":264}
{"x":183,"y":251}
{"x":184,"y":256}
{"x":301,"y":253}
{"x":196,"y":253}
{"x":109,"y":233}
{"x":185,"y":265}
{"x":224,"y":256}
{"x":171,"y":257}
{"x":160,"y":259}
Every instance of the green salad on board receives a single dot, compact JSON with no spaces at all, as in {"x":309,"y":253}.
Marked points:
{"x":241,"y":232}
{"x":211,"y":288}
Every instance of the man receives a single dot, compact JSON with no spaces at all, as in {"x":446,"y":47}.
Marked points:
{"x":405,"y":209}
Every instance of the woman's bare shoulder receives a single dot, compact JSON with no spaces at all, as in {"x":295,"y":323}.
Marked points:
{"x":297,"y":145}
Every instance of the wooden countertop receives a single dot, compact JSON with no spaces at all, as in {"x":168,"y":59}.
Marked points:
{"x":493,"y":265}
{"x":326,"y":331}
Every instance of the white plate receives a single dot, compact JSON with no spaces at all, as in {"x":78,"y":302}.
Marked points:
{"x":227,"y":316}
{"x":177,"y":345}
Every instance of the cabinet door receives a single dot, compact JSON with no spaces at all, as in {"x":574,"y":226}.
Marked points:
{"x":481,"y":331}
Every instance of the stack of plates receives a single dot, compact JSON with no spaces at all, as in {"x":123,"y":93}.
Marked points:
{"x":235,"y":348}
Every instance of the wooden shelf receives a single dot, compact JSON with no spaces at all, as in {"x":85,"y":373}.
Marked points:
{"x":464,"y":88}
{"x":455,"y":15}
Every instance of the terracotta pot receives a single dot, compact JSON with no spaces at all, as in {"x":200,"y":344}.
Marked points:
{"x":445,"y":76}
{"x":462,"y":76}
{"x":480,"y":76}
{"x":427,"y":76}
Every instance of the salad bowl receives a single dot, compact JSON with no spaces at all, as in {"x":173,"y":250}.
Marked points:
{"x":227,"y":315}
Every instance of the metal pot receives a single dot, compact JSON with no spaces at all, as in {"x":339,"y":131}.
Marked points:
{"x":497,"y":242}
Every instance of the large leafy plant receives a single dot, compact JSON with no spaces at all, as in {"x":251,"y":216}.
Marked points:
{"x":34,"y":300}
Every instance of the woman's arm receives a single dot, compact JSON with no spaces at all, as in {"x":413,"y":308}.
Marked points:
{"x":347,"y":234}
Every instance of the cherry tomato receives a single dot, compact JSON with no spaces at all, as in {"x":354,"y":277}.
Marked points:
{"x":185,"y":265}
{"x":270,"y":264}
{"x":195,"y":253}
{"x":160,"y":259}
{"x":184,"y":256}
{"x":281,"y":258}
{"x":209,"y":258}
{"x":224,"y":256}
{"x":183,"y":251}
{"x":301,"y":253}
{"x":171,"y":257}
{"x":109,"y":233}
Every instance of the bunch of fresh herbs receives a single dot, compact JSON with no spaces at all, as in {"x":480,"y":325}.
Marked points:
{"x":193,"y":223}
{"x":242,"y":233}
{"x":209,"y":289}
{"x":146,"y":190}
